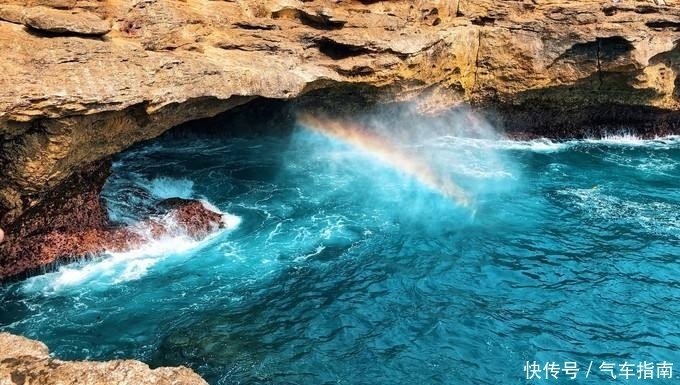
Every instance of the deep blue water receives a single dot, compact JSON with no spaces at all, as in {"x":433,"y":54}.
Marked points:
{"x":342,"y":270}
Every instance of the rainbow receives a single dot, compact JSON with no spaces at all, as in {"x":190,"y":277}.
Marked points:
{"x":384,"y":151}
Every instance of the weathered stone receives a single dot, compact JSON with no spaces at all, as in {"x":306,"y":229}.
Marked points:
{"x":25,"y":361}
{"x":12,"y":13}
{"x":65,"y":22}
{"x":71,"y":221}
{"x":321,"y":18}
{"x":59,"y":4}
{"x":552,"y":68}
{"x":191,"y":216}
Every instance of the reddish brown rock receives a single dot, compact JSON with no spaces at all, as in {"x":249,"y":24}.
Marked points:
{"x":72,"y":223}
{"x":191,"y":216}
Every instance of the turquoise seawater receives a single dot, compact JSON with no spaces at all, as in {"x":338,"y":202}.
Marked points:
{"x":340,"y":269}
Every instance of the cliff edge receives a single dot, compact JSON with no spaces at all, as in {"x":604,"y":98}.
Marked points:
{"x":25,"y":361}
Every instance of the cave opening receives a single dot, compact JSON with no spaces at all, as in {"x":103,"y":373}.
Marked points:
{"x":355,"y":233}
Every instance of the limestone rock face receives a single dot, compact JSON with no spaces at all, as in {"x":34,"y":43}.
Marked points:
{"x":65,"y":22}
{"x":25,"y":361}
{"x":12,"y":13}
{"x":537,"y":67}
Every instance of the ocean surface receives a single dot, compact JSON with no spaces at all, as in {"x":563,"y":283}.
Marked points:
{"x":344,"y":266}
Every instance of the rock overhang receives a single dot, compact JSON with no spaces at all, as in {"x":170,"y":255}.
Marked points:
{"x":116,"y":72}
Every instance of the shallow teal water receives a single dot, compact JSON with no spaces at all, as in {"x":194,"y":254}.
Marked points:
{"x":342,"y":270}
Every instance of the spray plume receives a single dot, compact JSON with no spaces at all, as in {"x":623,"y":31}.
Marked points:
{"x":387,"y":152}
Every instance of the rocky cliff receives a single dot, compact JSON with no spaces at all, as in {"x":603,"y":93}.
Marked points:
{"x":84,"y":79}
{"x":25,"y":361}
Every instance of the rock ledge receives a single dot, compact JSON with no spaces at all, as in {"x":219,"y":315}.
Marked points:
{"x":65,"y":22}
{"x":26,"y":361}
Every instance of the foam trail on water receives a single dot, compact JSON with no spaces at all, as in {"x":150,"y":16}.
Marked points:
{"x":389,"y":154}
{"x":117,"y":267}
{"x":110,"y":269}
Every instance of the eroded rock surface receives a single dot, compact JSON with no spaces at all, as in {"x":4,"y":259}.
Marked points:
{"x":548,"y":67}
{"x":25,"y":361}
{"x":65,"y":22}
{"x":37,"y":252}
{"x":71,"y":222}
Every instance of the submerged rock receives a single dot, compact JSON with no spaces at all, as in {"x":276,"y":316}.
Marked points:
{"x":25,"y":361}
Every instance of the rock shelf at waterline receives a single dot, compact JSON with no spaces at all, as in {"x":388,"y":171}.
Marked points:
{"x":25,"y":361}
{"x":175,"y":217}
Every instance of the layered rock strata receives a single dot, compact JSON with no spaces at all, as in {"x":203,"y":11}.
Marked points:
{"x":83,"y":79}
{"x":25,"y":361}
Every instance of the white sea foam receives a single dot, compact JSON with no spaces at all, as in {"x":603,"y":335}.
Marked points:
{"x":545,"y":145}
{"x":649,"y":162}
{"x":625,"y":137}
{"x":479,"y":170}
{"x":536,"y":145}
{"x":542,"y":145}
{"x":109,"y":269}
{"x":165,"y":187}
{"x":117,"y":267}
{"x":657,"y":165}
{"x":230,"y":221}
{"x":654,"y":217}
{"x":631,"y":140}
